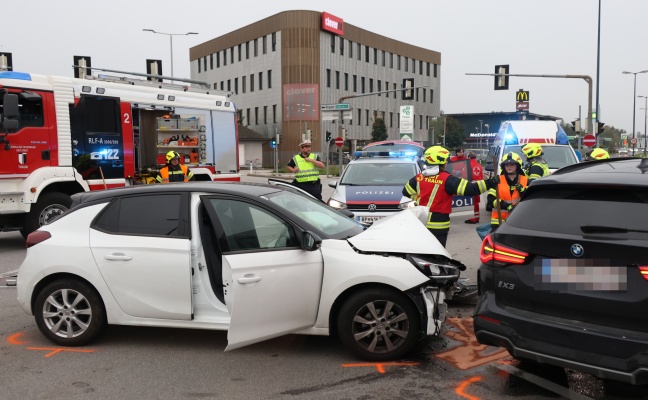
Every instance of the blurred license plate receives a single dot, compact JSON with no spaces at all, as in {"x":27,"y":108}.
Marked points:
{"x":581,"y":274}
{"x":369,"y":219}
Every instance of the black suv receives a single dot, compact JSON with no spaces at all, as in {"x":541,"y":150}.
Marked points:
{"x":564,"y":280}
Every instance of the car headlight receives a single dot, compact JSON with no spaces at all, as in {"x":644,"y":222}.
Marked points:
{"x":336,"y":204}
{"x":407,"y":204}
{"x":439,"y":269}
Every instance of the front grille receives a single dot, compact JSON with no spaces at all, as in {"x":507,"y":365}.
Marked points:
{"x":379,"y":207}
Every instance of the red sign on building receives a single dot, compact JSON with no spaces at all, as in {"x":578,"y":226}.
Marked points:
{"x":332,"y":23}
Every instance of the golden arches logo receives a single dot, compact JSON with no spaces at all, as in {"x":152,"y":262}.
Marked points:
{"x":522,"y":96}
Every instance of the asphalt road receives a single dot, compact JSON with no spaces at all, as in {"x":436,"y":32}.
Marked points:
{"x":155,"y":363}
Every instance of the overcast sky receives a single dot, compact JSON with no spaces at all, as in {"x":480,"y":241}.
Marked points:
{"x":544,"y":37}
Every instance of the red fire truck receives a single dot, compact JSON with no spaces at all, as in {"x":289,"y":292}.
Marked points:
{"x":62,"y":135}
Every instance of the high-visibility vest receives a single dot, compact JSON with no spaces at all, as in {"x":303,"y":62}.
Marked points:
{"x":307,"y":171}
{"x":164,"y":173}
{"x":509,"y":194}
{"x":542,"y":164}
{"x":431,"y":193}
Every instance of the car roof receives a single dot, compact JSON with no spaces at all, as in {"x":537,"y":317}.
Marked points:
{"x":384,"y":160}
{"x":395,"y":142}
{"x":238,"y":188}
{"x":614,"y":171}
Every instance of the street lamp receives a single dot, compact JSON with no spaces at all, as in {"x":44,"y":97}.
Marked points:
{"x":645,"y":123}
{"x":634,"y":104}
{"x":170,"y":35}
{"x":488,"y":134}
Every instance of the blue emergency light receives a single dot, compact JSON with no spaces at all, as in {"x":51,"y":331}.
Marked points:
{"x":392,"y":153}
{"x":23,"y":76}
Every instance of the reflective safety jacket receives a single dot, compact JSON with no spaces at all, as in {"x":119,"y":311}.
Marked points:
{"x":307,"y":171}
{"x":182,"y":174}
{"x":536,"y":168}
{"x":507,"y":192}
{"x":436,"y":191}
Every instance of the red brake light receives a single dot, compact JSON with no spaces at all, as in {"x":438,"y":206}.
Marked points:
{"x":490,"y":252}
{"x":644,"y":271}
{"x":36,"y":237}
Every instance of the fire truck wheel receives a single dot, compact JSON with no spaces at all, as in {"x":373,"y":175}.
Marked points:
{"x":48,"y":207}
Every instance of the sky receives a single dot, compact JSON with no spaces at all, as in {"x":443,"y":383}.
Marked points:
{"x":534,"y":37}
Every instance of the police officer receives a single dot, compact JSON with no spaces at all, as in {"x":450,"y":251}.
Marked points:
{"x":174,"y":171}
{"x":304,"y":165}
{"x":434,"y":188}
{"x":512,"y":183}
{"x":597,"y":154}
{"x":536,"y":166}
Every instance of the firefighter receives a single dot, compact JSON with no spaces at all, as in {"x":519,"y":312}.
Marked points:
{"x":434,"y":188}
{"x":597,"y":154}
{"x":536,"y":166}
{"x":512,"y":183}
{"x":304,"y":165}
{"x":477,"y":172}
{"x":174,"y":171}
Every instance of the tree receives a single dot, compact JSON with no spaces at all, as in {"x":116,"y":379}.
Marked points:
{"x":455,"y":136}
{"x":378,"y":130}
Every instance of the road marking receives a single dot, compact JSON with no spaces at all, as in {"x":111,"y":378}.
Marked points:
{"x":471,"y":353}
{"x":464,"y":384}
{"x":381,"y":366}
{"x":15,"y":338}
{"x":56,"y":350}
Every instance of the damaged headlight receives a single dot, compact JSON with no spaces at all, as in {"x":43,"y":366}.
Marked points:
{"x":441,"y":270}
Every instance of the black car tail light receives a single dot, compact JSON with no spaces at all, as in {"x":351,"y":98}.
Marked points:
{"x":36,"y":237}
{"x":644,"y":271}
{"x":490,"y":251}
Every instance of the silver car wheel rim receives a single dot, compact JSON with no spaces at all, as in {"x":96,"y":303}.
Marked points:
{"x":380,"y":326}
{"x":67,"y":313}
{"x":50,"y":212}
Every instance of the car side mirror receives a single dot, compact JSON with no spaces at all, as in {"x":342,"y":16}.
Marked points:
{"x":310,"y":241}
{"x":333,"y":184}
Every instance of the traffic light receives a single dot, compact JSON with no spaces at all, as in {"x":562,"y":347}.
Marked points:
{"x":273,"y":143}
{"x":501,"y":82}
{"x":344,"y":134}
{"x":278,"y":140}
{"x":328,"y":136}
{"x":576,"y":125}
{"x":599,"y":128}
{"x":408,"y":92}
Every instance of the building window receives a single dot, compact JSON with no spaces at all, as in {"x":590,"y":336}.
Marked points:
{"x":236,"y":85}
{"x":222,"y":85}
{"x":256,"y":47}
{"x":260,"y":80}
{"x":256,"y":115}
{"x":346,"y":81}
{"x":215,"y":83}
{"x":366,"y":53}
{"x":413,"y":66}
{"x":417,"y":94}
{"x":251,"y":83}
{"x":431,"y":96}
{"x":224,"y":57}
{"x":355,"y":83}
{"x":332,"y":42}
{"x":383,"y":58}
{"x":274,"y":111}
{"x":386,"y":88}
{"x":218,"y":59}
{"x":269,"y":79}
{"x":420,"y":67}
{"x":391,"y":60}
{"x":243,"y":87}
{"x":274,"y":42}
{"x":359,"y":52}
{"x":427,"y":122}
{"x":359,"y":116}
{"x":232,"y":55}
{"x":265,"y":44}
{"x":370,"y":85}
{"x":265,"y":114}
{"x":391,"y":119}
{"x":379,"y":87}
{"x":205,"y":63}
{"x":395,"y":93}
{"x":211,"y":61}
{"x":366,"y":117}
{"x":428,"y":69}
{"x":424,"y":93}
{"x":398,"y":64}
{"x":337,"y":79}
{"x":435,"y":70}
{"x":420,"y":121}
{"x":247,"y":50}
{"x":240,"y":48}
{"x":229,"y":85}
{"x":199,"y":65}
{"x":247,"y":117}
{"x":406,"y":64}
{"x":362,"y":84}
{"x":375,"y":56}
{"x":328,"y":78}
{"x":342,"y":40}
{"x":350,"y":49}
{"x":397,"y":120}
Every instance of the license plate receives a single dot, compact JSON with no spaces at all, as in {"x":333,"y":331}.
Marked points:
{"x":368,"y":219}
{"x":581,"y":275}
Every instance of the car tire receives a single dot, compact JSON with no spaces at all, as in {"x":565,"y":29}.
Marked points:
{"x":69,"y":312}
{"x":48,"y":206}
{"x":378,"y":324}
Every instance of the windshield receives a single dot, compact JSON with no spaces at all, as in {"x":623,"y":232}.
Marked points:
{"x":315,"y":213}
{"x":399,"y":147}
{"x":555,"y":156}
{"x":378,"y":174}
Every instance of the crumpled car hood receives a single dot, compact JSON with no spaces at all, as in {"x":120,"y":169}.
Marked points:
{"x":403,"y":232}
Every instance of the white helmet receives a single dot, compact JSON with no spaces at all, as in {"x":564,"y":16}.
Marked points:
{"x":305,"y":142}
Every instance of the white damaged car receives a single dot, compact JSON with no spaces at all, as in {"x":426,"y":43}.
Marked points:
{"x":256,"y":260}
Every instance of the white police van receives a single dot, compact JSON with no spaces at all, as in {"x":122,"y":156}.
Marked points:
{"x":514,"y":135}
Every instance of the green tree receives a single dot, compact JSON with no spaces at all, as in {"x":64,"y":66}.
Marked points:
{"x":378,"y":130}
{"x":455,"y":136}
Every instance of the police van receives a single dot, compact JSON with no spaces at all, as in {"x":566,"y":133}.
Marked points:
{"x":514,"y":135}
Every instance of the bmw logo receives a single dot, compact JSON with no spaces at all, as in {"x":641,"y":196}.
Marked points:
{"x":577,"y":250}
{"x":372,"y":207}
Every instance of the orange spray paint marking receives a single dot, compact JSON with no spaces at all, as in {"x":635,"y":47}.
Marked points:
{"x":53,"y":351}
{"x":381,"y":366}
{"x":471,"y":353}
{"x":464,"y":384}
{"x":15,"y":338}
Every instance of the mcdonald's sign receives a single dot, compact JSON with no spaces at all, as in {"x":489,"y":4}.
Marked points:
{"x":522,"y":95}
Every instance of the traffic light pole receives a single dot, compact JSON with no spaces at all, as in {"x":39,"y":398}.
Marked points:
{"x":587,"y":79}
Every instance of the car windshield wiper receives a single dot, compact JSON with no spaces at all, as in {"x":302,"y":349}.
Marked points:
{"x":607,"y":229}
